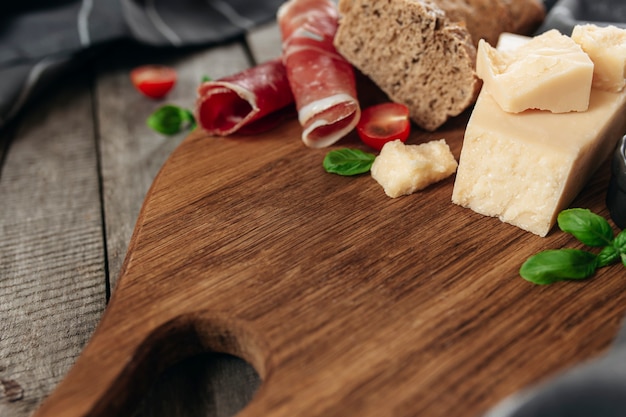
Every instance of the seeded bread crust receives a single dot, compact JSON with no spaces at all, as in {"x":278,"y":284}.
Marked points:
{"x":414,"y":53}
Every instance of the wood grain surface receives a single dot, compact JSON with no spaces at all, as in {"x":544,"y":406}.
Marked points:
{"x":345,"y":301}
{"x":52,"y":287}
{"x":74,"y":170}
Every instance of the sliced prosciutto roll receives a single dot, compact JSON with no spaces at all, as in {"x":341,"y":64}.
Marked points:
{"x":251,"y":101}
{"x":321,"y":80}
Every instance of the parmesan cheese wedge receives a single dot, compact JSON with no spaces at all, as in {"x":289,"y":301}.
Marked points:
{"x":524,"y":168}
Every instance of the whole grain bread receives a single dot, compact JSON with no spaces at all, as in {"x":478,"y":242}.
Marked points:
{"x":414,"y":53}
{"x":422,"y":53}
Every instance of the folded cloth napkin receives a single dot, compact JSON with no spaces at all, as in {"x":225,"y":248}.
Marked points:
{"x":565,"y":14}
{"x":41,"y":39}
{"x":596,"y":388}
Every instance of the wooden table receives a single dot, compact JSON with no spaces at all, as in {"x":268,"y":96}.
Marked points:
{"x":74,"y":171}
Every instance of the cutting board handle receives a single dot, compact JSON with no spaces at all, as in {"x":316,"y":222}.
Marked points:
{"x":125,"y":356}
{"x":344,"y":302}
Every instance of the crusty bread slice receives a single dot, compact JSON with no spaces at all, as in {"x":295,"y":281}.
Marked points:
{"x":483,"y":18}
{"x":527,"y":16}
{"x":487,"y":19}
{"x":414,"y":53}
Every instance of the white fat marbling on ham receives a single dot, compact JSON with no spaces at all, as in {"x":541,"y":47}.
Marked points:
{"x":250,"y":99}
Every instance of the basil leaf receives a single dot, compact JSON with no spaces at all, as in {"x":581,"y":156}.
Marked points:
{"x":607,"y":256}
{"x":189,"y":118}
{"x":348,"y":161}
{"x":170,"y":120}
{"x":620,"y":242}
{"x":556,"y":265}
{"x":587,"y":227}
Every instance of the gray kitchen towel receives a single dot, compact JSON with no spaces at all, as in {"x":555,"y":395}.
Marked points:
{"x":596,"y":388}
{"x":40,"y":39}
{"x":565,"y":14}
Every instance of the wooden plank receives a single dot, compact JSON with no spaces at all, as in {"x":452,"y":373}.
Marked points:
{"x":132,"y":154}
{"x":265,"y":42}
{"x":52,"y":275}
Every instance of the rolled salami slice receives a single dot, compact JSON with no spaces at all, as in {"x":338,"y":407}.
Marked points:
{"x":248,"y":102}
{"x":322,"y":81}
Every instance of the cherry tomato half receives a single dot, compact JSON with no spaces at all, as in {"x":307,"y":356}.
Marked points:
{"x":383,"y":123}
{"x":154,"y":81}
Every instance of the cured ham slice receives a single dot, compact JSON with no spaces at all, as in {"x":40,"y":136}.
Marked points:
{"x":250,"y":101}
{"x":322,"y":81}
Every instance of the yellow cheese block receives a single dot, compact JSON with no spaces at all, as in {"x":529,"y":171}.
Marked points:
{"x":549,"y":72}
{"x":525,"y":168}
{"x":606,"y":46}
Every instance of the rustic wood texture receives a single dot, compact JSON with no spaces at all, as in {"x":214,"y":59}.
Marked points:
{"x":131,"y":156}
{"x":132,"y":153}
{"x":52,"y":278}
{"x":264,"y":42}
{"x":90,"y":130}
{"x":345,"y":301}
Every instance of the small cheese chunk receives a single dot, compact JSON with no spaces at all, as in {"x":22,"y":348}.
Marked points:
{"x":606,"y":46}
{"x":404,"y":169}
{"x":525,"y":168}
{"x":549,"y":72}
{"x":510,"y":41}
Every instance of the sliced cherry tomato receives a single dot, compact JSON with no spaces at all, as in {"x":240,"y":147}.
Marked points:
{"x":154,"y":81}
{"x":383,"y":123}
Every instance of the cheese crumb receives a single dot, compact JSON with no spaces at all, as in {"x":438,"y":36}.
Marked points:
{"x":404,"y":169}
{"x":510,"y":41}
{"x":606,"y":46}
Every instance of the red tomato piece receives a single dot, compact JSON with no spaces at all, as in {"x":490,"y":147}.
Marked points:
{"x":153,"y":81}
{"x":383,"y":123}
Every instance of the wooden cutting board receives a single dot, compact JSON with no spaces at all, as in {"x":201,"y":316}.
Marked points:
{"x":346,"y":302}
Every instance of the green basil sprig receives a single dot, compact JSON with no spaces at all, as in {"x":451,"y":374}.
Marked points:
{"x":348,"y":161}
{"x":170,"y":119}
{"x":555,"y":265}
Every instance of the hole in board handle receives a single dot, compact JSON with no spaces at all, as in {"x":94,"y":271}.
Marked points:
{"x":185,"y":368}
